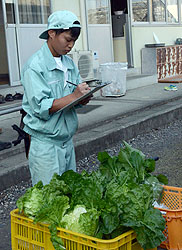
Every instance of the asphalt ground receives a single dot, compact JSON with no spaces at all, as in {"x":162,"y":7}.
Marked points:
{"x":164,"y":142}
{"x":102,"y":123}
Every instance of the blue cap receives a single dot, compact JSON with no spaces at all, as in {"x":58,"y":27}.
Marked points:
{"x":60,"y":20}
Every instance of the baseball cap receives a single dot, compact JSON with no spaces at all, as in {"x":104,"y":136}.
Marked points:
{"x":60,"y":20}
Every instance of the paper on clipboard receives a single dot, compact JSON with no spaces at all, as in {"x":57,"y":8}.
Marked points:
{"x":70,"y":105}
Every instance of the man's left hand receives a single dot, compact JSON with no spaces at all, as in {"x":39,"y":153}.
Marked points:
{"x":86,"y":100}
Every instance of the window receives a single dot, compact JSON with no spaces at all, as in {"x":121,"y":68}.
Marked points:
{"x":172,"y":11}
{"x":33,"y":11}
{"x":10,"y":11}
{"x":98,"y":11}
{"x":46,"y":10}
{"x":165,"y":11}
{"x":140,"y":10}
{"x":158,"y":11}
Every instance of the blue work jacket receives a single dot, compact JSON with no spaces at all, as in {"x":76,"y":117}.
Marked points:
{"x":43,"y":83}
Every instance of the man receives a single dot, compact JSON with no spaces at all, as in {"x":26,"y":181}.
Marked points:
{"x":46,"y":91}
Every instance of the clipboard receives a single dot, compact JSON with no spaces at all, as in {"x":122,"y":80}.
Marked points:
{"x":70,"y":105}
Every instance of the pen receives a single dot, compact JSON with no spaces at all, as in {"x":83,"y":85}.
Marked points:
{"x":72,"y":83}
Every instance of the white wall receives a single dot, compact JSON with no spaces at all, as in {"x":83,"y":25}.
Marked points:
{"x":144,"y":35}
{"x":76,"y":7}
{"x":119,"y":47}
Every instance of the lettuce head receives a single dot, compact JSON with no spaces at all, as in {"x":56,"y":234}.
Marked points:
{"x":81,"y":220}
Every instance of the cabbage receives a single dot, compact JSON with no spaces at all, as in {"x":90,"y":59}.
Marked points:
{"x":31,"y":202}
{"x":81,"y":220}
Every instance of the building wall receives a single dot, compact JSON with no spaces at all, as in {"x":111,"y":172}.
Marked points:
{"x":119,"y":47}
{"x":76,"y":7}
{"x":144,"y":35}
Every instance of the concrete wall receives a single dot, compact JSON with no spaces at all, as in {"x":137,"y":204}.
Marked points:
{"x":143,"y":35}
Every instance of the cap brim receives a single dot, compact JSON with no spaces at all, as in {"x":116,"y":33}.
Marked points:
{"x":44,"y":35}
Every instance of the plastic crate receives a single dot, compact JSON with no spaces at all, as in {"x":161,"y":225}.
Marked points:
{"x":172,"y":198}
{"x":27,"y":236}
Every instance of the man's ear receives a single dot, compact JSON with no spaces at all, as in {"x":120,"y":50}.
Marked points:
{"x":51,"y":33}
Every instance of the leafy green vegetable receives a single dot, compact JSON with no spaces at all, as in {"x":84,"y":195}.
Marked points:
{"x":149,"y":229}
{"x":31,"y":202}
{"x":104,"y":203}
{"x":137,"y":207}
{"x":88,"y":193}
{"x":130,"y":184}
{"x":53,"y":211}
{"x":81,"y":220}
{"x":56,"y":241}
{"x":47,"y":204}
{"x":162,"y":178}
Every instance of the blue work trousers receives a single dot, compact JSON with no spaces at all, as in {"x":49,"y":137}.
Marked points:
{"x":47,"y":158}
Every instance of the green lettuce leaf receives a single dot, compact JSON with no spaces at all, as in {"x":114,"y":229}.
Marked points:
{"x":53,"y":211}
{"x":81,"y":220}
{"x":56,"y":240}
{"x":149,"y":230}
{"x":31,"y":202}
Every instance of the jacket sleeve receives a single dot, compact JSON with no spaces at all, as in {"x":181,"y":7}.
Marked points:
{"x":38,"y":93}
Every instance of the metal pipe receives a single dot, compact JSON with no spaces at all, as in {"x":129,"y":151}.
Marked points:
{"x":84,"y":24}
{"x":10,"y":110}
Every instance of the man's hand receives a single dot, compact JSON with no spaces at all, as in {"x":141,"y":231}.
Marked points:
{"x":81,"y":89}
{"x":86,"y":100}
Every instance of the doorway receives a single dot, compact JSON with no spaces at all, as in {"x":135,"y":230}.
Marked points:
{"x":4,"y":72}
{"x":19,"y":19}
{"x":109,"y":30}
{"x":121,"y":31}
{"x":100,"y":29}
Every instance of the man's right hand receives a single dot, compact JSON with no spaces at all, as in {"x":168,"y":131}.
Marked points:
{"x":81,"y":89}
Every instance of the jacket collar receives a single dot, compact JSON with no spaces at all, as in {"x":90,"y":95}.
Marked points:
{"x":50,"y":61}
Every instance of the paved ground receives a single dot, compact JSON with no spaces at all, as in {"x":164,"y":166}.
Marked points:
{"x":164,"y":142}
{"x":101,"y":123}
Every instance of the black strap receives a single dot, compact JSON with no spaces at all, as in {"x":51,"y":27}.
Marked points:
{"x":22,"y":135}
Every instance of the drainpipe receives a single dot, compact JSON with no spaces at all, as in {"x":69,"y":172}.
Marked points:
{"x":84,"y":24}
{"x":128,"y":33}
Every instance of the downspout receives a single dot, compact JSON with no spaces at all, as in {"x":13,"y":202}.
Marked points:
{"x":128,"y":32}
{"x":84,"y":24}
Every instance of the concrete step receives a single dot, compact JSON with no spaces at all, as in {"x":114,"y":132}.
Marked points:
{"x":10,"y":152}
{"x":7,"y":89}
{"x":14,"y":167}
{"x":134,"y":81}
{"x":140,"y":80}
{"x":133,"y":71}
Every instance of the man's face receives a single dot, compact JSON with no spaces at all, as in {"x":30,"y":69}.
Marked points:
{"x":60,"y":44}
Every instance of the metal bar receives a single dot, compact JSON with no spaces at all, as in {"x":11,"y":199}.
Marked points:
{"x":10,"y":110}
{"x":128,"y":35}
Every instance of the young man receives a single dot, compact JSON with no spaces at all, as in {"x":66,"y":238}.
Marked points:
{"x":46,"y":91}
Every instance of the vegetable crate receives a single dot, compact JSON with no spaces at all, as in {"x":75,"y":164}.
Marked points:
{"x":25,"y":235}
{"x":172,"y":198}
